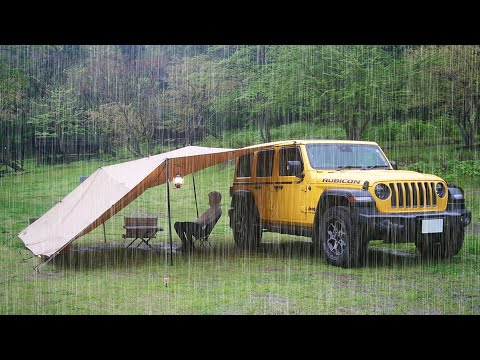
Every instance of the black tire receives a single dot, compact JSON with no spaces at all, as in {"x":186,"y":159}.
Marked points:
{"x":436,"y":246}
{"x":247,"y":230}
{"x":341,"y":242}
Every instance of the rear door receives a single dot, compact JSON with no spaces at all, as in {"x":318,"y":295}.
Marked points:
{"x":262,"y":185}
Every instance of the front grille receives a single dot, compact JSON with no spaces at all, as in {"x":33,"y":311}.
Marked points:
{"x":413,"y":195}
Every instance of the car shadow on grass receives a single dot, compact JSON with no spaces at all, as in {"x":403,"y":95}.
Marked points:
{"x":377,"y":256}
{"x":117,"y":256}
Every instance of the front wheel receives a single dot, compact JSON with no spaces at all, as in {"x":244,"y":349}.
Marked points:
{"x":341,"y":242}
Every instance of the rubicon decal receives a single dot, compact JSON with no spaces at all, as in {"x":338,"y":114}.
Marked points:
{"x":342,"y":181}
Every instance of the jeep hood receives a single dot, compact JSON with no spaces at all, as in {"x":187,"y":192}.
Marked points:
{"x":372,"y":176}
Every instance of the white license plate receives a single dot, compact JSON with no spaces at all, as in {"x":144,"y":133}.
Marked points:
{"x":432,"y":226}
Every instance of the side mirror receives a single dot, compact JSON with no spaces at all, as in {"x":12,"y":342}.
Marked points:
{"x":394,"y":165}
{"x":294,"y":168}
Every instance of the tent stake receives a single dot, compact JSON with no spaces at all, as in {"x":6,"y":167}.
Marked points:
{"x":195,"y":192}
{"x":169,"y":217}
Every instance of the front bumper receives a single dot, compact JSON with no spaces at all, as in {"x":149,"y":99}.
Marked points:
{"x":405,"y":227}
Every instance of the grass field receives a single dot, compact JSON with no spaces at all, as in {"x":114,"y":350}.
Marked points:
{"x":282,"y":277}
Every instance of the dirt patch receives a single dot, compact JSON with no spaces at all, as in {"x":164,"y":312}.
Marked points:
{"x":231,"y":312}
{"x":339,"y":276}
{"x":464,"y":296}
{"x":342,"y":310}
{"x":119,"y":275}
{"x":42,"y":274}
{"x":274,"y":299}
{"x":424,"y":312}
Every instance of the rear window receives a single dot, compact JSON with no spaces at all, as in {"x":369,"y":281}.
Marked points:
{"x":265,"y":163}
{"x":244,"y":168}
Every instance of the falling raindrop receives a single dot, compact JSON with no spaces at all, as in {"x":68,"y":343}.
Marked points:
{"x":91,"y":128}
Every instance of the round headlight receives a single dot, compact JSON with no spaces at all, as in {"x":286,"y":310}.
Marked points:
{"x":382,"y":191}
{"x":440,"y":189}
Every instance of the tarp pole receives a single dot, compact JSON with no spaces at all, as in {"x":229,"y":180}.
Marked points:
{"x":50,"y":258}
{"x":169,"y":217}
{"x":195,"y":193}
{"x":42,"y":264}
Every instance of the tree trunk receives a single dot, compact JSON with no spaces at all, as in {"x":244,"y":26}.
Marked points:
{"x":267,"y":126}
{"x":189,"y":133}
{"x":353,"y":129}
{"x":149,"y":146}
{"x":260,"y":129}
{"x":468,"y":128}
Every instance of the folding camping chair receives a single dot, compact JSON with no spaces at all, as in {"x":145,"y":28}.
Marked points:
{"x":143,"y":228}
{"x":204,"y":236}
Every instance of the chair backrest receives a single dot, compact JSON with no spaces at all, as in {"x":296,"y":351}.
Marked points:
{"x":149,"y":224}
{"x":140,"y":220}
{"x":209,"y":227}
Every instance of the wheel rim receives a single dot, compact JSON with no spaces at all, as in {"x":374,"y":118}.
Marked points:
{"x":336,"y":237}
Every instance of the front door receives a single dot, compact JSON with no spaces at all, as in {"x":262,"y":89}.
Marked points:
{"x":289,"y":190}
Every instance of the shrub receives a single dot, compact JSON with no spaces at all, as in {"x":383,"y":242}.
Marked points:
{"x":446,"y":128}
{"x":384,"y":132}
{"x":419,"y":130}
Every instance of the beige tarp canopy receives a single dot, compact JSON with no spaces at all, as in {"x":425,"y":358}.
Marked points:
{"x":109,"y":189}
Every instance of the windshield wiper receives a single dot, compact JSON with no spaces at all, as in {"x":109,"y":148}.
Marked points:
{"x":349,"y":167}
{"x":376,"y":167}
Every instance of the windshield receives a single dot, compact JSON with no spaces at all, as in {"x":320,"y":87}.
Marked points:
{"x":346,"y":156}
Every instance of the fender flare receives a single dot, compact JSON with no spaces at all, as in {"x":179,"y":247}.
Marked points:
{"x":339,"y":197}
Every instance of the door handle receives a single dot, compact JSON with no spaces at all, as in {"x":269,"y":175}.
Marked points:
{"x":278,"y":187}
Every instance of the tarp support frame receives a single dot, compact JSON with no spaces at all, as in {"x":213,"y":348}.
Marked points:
{"x":169,"y":213}
{"x":195,"y":193}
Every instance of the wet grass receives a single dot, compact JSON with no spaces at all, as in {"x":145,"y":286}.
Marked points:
{"x":282,"y":277}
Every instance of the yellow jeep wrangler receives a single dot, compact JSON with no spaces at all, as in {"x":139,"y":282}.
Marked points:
{"x":343,"y":194}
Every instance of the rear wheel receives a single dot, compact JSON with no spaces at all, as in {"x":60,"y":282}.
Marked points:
{"x":247,"y":230}
{"x":341,"y":242}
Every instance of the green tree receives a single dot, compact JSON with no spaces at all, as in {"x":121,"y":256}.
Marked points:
{"x":60,"y":117}
{"x":118,"y":125}
{"x":13,"y":88}
{"x":361,"y":83}
{"x":449,"y":82}
{"x":193,"y":85}
{"x":119,"y":84}
{"x":13,"y":98}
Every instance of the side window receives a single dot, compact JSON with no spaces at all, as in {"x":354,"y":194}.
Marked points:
{"x":290,"y":161}
{"x":244,"y":168}
{"x":265,"y":163}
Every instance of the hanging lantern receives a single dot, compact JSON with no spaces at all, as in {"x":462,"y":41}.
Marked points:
{"x":178,"y":181}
